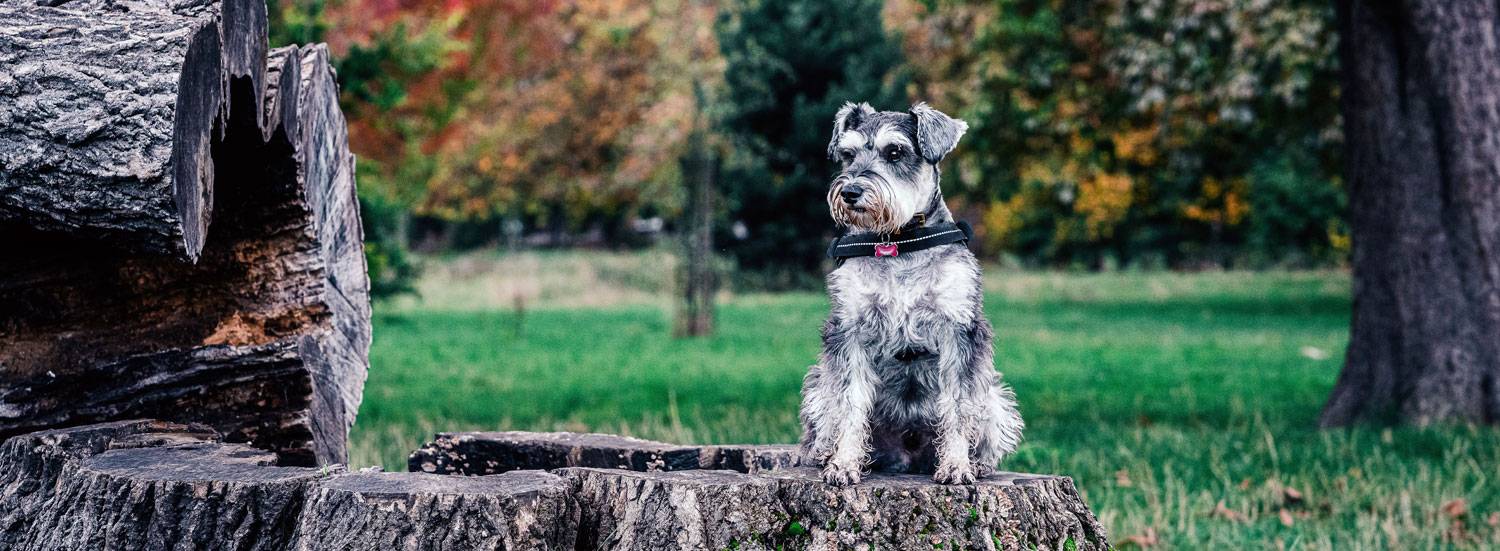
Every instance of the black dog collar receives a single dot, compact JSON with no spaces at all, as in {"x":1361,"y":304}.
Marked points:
{"x":905,"y":241}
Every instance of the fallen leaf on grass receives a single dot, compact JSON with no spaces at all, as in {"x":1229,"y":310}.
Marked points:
{"x":1494,"y":519}
{"x":1286,"y":517}
{"x":1314,"y":353}
{"x":1122,"y":478}
{"x":1456,"y":508}
{"x":1292,"y":495}
{"x":1245,"y":484}
{"x":1456,"y":532}
{"x":1146,"y":539}
{"x":1221,"y":511}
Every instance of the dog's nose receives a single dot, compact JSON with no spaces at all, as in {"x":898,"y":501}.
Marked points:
{"x":851,"y":193}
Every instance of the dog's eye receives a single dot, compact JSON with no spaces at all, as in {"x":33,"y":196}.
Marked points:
{"x":846,"y":155}
{"x":893,"y":154}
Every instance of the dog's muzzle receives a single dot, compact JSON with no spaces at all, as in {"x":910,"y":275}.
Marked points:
{"x":851,"y":193}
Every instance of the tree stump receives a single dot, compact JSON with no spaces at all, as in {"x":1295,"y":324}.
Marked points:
{"x":144,"y":485}
{"x":696,"y":509}
{"x":795,"y":509}
{"x":384,"y":511}
{"x":639,"y":494}
{"x":150,"y":485}
{"x":266,"y":336}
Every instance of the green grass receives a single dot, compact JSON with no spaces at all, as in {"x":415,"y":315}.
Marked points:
{"x":1162,"y":395}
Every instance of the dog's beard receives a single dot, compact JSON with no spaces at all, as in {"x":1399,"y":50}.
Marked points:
{"x":879,"y":210}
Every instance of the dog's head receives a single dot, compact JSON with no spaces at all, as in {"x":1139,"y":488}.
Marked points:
{"x":889,"y":163}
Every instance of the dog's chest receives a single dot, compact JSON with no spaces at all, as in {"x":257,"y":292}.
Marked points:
{"x":893,"y":297}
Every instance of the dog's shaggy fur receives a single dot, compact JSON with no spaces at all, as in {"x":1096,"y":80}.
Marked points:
{"x":906,"y":381}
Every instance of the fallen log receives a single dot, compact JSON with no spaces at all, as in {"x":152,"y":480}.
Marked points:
{"x":755,"y":459}
{"x":266,"y":337}
{"x":483,"y":453}
{"x":106,"y":123}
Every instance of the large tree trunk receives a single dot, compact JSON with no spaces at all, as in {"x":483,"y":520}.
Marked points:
{"x":266,"y":337}
{"x":1422,"y":124}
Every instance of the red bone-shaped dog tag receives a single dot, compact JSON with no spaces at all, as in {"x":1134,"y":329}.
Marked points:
{"x":885,"y":249}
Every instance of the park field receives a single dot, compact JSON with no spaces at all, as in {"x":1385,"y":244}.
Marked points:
{"x":1183,"y":405}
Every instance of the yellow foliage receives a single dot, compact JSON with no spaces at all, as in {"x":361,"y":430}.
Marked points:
{"x":1338,"y":239}
{"x":1136,"y":144}
{"x":1104,"y":200}
{"x":1001,"y":220}
{"x":1216,"y":204}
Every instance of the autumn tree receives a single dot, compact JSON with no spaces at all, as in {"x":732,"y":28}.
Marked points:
{"x":1422,"y":119}
{"x":1156,"y":132}
{"x":553,"y":110}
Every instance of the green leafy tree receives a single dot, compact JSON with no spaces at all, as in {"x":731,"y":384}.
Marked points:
{"x":790,"y":65}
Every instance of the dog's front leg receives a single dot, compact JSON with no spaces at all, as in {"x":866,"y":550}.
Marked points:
{"x":850,"y":387}
{"x":957,"y":352}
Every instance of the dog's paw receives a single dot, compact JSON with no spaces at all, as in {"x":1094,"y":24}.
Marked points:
{"x":954,"y":473}
{"x":982,"y":470}
{"x":839,"y":475}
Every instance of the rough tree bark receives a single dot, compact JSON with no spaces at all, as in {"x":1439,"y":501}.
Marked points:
{"x":106,"y":123}
{"x":1422,"y":125}
{"x":266,"y":337}
{"x":795,"y":509}
{"x":384,"y":511}
{"x":144,"y":485}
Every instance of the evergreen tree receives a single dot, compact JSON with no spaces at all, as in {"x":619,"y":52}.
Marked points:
{"x":790,"y":65}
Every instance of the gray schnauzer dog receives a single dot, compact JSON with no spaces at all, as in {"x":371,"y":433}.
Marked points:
{"x":906,"y":381}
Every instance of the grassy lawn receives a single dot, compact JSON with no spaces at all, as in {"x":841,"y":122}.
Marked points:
{"x":1183,"y":405}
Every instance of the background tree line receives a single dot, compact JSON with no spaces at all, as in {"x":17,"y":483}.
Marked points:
{"x":1150,"y":133}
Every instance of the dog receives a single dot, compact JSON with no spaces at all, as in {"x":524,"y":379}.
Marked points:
{"x":906,"y":380}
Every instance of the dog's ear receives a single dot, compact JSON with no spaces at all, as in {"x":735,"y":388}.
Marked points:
{"x":847,"y":118}
{"x":937,"y":134}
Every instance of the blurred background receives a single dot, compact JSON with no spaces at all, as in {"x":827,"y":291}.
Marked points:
{"x":601,"y":215}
